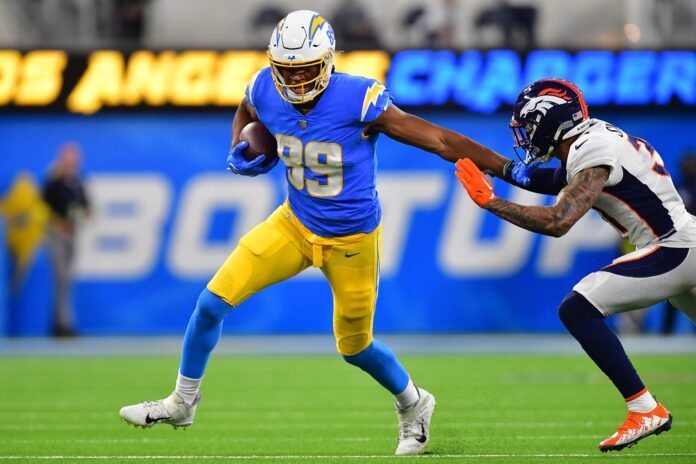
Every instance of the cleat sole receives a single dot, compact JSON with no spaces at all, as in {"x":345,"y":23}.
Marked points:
{"x":139,"y":426}
{"x":149,"y":426}
{"x":666,"y":427}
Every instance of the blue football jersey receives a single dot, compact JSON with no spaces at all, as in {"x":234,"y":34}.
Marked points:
{"x":330,"y":165}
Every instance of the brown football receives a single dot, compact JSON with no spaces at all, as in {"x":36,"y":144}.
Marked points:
{"x":261,"y":142}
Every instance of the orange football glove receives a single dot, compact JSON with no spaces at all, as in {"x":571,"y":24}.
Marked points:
{"x":476,"y":183}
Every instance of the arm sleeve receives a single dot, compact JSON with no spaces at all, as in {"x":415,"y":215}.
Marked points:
{"x":376,"y":99}
{"x":547,"y":181}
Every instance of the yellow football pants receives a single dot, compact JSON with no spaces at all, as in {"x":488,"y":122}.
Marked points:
{"x":281,"y":247}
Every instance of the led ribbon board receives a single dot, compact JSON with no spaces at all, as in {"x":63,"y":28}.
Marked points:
{"x":478,"y":81}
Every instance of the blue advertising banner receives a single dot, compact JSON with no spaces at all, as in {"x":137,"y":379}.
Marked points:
{"x":166,"y":214}
{"x":4,"y":280}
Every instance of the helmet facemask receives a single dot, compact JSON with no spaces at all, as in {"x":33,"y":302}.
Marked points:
{"x":317,"y":83}
{"x":525,"y":149}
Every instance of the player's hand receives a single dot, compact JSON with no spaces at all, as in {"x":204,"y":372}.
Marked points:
{"x":238,"y":164}
{"x":477,"y":184}
{"x":519,"y":172}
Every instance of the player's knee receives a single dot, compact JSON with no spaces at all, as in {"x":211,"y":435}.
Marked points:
{"x":211,"y":307}
{"x":352,"y":345}
{"x":575,"y":308}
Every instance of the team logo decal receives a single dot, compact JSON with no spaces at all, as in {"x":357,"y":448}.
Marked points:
{"x":371,"y":96}
{"x":315,"y":24}
{"x":279,"y":31}
{"x":560,"y":93}
{"x":542,"y":104}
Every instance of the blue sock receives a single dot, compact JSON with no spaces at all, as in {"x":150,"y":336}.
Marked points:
{"x":379,"y":361}
{"x":586,"y":324}
{"x":202,"y":334}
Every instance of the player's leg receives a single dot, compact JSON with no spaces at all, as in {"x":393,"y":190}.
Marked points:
{"x":638,"y":280}
{"x":686,"y":302}
{"x":266,"y":255}
{"x":353,"y":272}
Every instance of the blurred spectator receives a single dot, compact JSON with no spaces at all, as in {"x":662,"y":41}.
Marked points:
{"x":430,"y":25}
{"x":128,"y":19}
{"x":409,"y":23}
{"x":687,"y":190}
{"x":262,"y":23}
{"x":83,"y":23}
{"x":68,"y":22}
{"x":267,"y":18}
{"x":674,"y":18}
{"x":353,"y":28}
{"x":516,"y":24}
{"x":65,"y":195}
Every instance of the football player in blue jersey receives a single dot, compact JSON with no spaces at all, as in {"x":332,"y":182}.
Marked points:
{"x":326,"y":125}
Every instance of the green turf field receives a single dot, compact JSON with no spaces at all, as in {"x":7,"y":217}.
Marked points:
{"x":491,"y":409}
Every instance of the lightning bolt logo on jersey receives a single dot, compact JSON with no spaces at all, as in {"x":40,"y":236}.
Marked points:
{"x":330,"y":163}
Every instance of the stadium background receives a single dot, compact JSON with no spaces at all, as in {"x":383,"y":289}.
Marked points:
{"x":166,"y":213}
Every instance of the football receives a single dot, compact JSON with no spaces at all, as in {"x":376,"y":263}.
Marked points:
{"x":261,"y":142}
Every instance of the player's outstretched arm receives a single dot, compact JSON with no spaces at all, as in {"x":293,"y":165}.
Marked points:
{"x":449,"y":145}
{"x":244,"y":115}
{"x":573,"y":201}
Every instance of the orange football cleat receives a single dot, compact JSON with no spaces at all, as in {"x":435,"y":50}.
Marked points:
{"x":638,"y":426}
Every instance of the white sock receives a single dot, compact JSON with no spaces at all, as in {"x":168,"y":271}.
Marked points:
{"x":643,"y":402}
{"x":408,"y":397}
{"x":187,"y":388}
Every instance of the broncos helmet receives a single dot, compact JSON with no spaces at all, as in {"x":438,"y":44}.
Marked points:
{"x":545,"y":113}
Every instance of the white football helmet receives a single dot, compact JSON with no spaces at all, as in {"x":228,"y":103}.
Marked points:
{"x":303,"y":38}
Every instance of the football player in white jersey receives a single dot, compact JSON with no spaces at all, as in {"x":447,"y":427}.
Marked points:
{"x":625,"y":180}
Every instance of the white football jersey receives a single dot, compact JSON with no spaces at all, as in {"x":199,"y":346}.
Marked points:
{"x":639,"y":199}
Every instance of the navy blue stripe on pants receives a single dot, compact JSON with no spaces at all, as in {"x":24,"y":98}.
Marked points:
{"x":659,"y":261}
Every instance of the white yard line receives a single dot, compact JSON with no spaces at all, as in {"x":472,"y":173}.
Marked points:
{"x":21,"y":441}
{"x":323,"y":426}
{"x":295,"y":457}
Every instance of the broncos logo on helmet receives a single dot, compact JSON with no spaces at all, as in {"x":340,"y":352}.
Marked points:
{"x":541,"y":104}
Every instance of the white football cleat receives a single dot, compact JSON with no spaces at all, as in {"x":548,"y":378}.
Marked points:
{"x":414,"y":425}
{"x":171,"y":410}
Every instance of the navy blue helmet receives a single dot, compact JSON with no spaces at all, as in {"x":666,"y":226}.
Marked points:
{"x":546,"y":112}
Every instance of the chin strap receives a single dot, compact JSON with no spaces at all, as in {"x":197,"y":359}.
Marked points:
{"x":507,"y":170}
{"x":301,"y":98}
